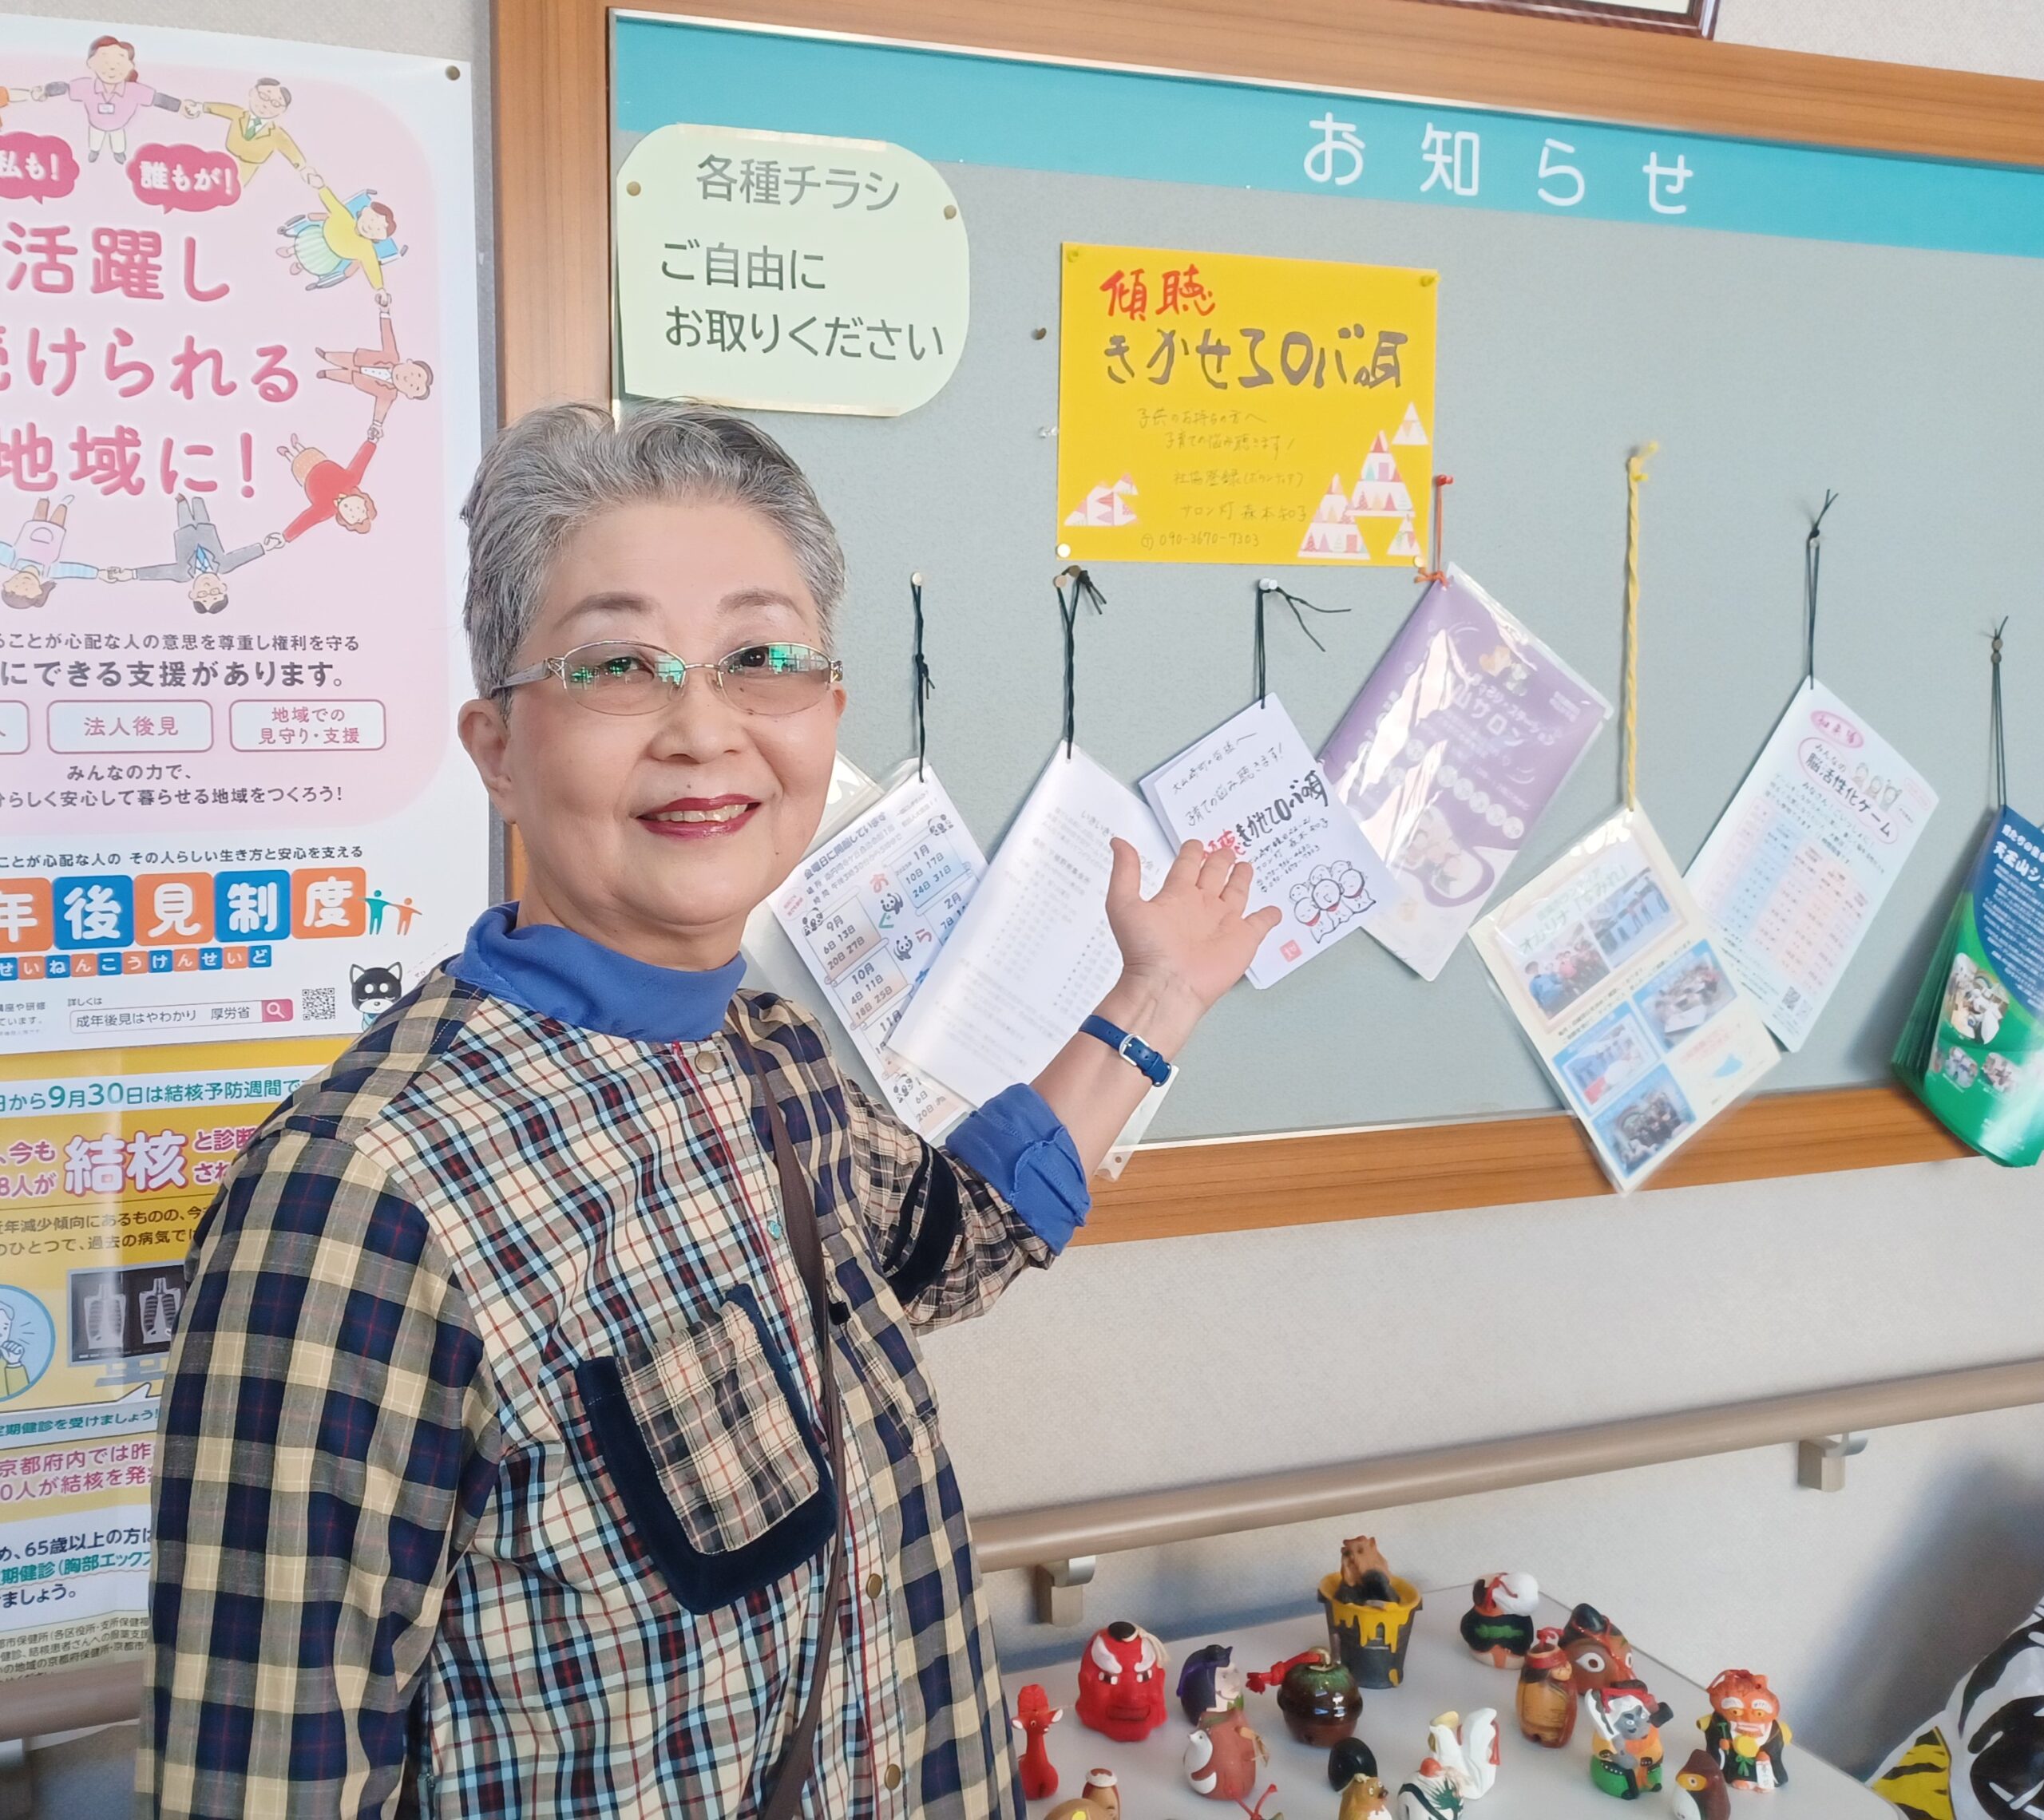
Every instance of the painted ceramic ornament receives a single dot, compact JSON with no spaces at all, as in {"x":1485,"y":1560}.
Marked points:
{"x":1363,"y":1797}
{"x":1320,"y":1700}
{"x":1121,"y":1682}
{"x":1745,"y":1731}
{"x":1699,"y":1793}
{"x":1101,"y":1799}
{"x":1467,"y":1749}
{"x":1034,"y":1717}
{"x":1430,"y":1795}
{"x":1625,"y":1718}
{"x":1546,"y":1693}
{"x":1348,"y":1759}
{"x":1224,"y":1760}
{"x":1369,"y":1614}
{"x":1209,"y":1681}
{"x":1498,"y":1627}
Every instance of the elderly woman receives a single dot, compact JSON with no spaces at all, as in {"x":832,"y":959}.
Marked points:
{"x":546,"y":1429}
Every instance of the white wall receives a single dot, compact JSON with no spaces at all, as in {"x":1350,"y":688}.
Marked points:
{"x":1242,"y":1354}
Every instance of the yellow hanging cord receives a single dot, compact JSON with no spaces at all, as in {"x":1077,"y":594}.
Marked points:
{"x":1635,"y":473}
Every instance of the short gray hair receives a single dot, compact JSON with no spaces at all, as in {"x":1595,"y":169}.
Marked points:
{"x":547,"y":474}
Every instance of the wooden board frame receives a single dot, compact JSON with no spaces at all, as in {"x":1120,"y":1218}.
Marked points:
{"x":552,"y":143}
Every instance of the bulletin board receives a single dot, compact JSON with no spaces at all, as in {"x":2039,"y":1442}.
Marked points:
{"x":1794,"y":273}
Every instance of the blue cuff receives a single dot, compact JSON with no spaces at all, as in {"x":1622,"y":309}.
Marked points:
{"x":1021,"y":1147}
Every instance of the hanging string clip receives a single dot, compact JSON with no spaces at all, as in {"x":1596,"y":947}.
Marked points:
{"x":1442,"y":482}
{"x":1812,"y":559}
{"x":1265,"y":587}
{"x":1997,"y":723}
{"x":925,"y":684}
{"x":1084,"y":589}
{"x":1635,"y":479}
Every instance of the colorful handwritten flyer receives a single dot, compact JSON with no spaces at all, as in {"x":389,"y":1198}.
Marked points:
{"x":1614,"y":976}
{"x":1800,"y":864}
{"x":1224,"y":408}
{"x":1253,"y":786}
{"x":240,"y":331}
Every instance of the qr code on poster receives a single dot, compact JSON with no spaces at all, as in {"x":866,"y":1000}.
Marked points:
{"x":316,"y":1005}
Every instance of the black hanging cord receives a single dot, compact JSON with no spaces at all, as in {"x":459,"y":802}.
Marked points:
{"x":1081,"y":589}
{"x":1812,"y":560}
{"x":1265,"y":589}
{"x":1997,"y":732}
{"x":924,"y":687}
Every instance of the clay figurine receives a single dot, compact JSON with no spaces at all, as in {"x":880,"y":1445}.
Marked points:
{"x":1348,"y":1759}
{"x":1369,"y":1614}
{"x":1467,"y":1749}
{"x":1498,"y":1627}
{"x":1121,"y":1682}
{"x":1208,"y":1682}
{"x":1430,"y":1795}
{"x":1320,"y":1700}
{"x":1363,"y":1797}
{"x":1745,"y":1731}
{"x":1699,"y":1792}
{"x":1034,"y":1717}
{"x":1223,"y":1758}
{"x":1546,"y":1693}
{"x":1625,"y":1718}
{"x":1365,"y":1574}
{"x":1101,"y":1799}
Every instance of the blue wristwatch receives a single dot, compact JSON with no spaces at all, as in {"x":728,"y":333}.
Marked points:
{"x":1131,"y":1049}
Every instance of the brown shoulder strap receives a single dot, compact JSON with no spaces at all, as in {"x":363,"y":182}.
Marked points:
{"x":783,"y":1799}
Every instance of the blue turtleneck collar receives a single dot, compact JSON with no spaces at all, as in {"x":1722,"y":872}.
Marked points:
{"x":560,"y":974}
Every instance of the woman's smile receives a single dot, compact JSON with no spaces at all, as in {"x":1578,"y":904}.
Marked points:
{"x":700,"y":818}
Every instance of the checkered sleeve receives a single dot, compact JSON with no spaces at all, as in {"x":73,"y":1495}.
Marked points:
{"x":949,"y":1243}
{"x":329,"y":1441}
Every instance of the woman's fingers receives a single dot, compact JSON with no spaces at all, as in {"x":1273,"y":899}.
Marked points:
{"x":1215,"y":868}
{"x":1185,"y":869}
{"x":1124,"y":874}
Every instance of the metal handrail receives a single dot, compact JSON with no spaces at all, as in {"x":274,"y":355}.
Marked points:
{"x":107,"y":1693}
{"x":1150,"y":1519}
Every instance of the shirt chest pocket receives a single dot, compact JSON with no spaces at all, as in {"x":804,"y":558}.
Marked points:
{"x":705,"y":1441}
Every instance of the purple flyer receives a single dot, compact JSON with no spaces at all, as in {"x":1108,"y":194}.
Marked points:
{"x":1449,"y":756}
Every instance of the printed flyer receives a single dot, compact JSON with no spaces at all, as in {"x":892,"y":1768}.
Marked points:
{"x":1449,"y":756}
{"x":106,"y":1163}
{"x":869,"y":910}
{"x":1799,"y":865}
{"x":1973,"y":1048}
{"x":1252,"y":785}
{"x":1616,"y":979}
{"x":238,"y":319}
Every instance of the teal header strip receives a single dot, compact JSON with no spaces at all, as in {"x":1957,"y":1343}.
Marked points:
{"x":972,"y":109}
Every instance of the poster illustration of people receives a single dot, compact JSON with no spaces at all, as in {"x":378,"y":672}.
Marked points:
{"x":237,"y":412}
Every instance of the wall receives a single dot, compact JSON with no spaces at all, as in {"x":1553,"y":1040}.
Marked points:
{"x":1240,"y":1354}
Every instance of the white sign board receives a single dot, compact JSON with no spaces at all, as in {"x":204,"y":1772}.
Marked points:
{"x":783,"y":271}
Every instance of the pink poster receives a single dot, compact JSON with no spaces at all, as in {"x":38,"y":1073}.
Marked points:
{"x":238,"y":411}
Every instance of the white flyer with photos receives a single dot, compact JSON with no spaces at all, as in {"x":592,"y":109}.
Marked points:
{"x":1035,"y":954}
{"x":869,"y":909}
{"x":1253,"y":785}
{"x":1617,"y":980}
{"x":1800,"y":864}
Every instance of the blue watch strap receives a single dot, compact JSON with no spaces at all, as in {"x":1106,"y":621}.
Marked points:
{"x":1131,"y":1049}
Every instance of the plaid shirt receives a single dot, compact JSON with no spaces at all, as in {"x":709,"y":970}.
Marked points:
{"x":490,"y":1441}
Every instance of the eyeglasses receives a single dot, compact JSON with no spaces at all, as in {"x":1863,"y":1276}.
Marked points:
{"x":619,"y":678}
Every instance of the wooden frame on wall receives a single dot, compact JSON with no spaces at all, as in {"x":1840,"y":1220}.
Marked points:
{"x":553,"y":144}
{"x":1698,"y":18}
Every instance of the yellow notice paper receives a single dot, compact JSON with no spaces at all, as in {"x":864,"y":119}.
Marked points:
{"x":1222,"y":408}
